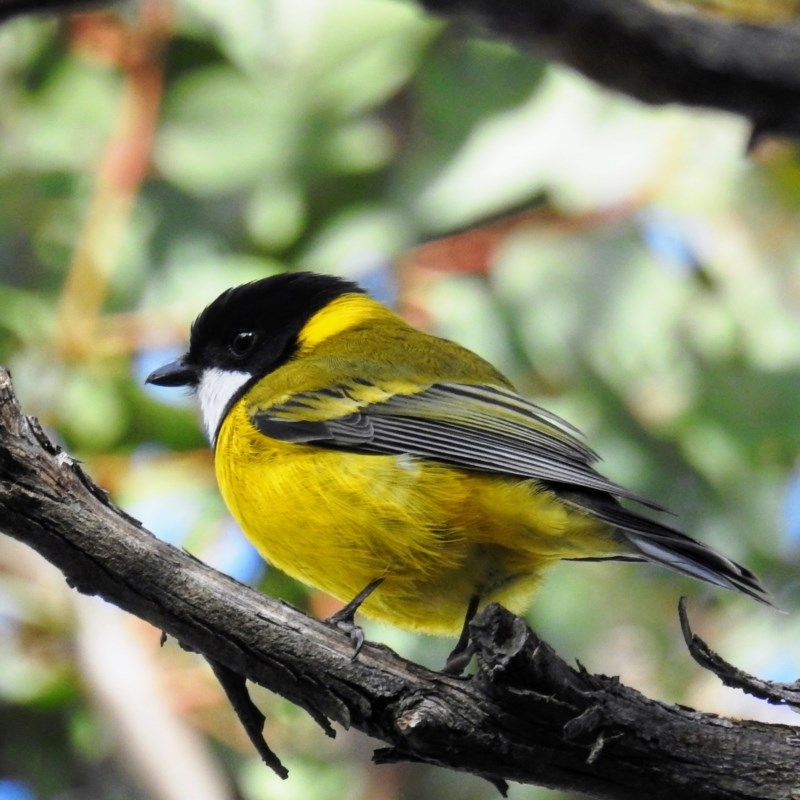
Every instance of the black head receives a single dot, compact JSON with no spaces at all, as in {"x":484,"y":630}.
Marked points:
{"x":252,"y":328}
{"x":245,"y":333}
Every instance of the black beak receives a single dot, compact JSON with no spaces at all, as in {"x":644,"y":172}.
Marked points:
{"x":176,"y":373}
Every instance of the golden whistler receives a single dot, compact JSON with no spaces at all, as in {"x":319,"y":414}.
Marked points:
{"x":397,"y":470}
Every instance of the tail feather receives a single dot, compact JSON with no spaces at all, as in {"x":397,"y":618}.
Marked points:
{"x":653,"y":541}
{"x":692,"y":558}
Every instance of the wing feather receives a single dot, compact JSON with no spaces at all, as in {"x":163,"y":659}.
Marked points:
{"x":665,"y":545}
{"x":491,"y":429}
{"x":483,"y":428}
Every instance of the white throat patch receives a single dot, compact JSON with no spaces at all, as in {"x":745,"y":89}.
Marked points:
{"x":214,"y":392}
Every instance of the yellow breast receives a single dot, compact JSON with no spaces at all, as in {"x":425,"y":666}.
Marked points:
{"x":435,"y":534}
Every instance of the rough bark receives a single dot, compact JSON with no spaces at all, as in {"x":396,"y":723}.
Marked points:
{"x":524,"y":716}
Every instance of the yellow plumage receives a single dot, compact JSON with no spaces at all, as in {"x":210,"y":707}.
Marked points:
{"x":338,"y":520}
{"x":353,"y":448}
{"x":436,"y":535}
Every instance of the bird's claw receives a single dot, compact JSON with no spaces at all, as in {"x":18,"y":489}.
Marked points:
{"x":458,"y":660}
{"x":344,"y":620}
{"x":354,"y":632}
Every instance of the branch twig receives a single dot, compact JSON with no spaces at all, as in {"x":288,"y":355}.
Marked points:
{"x":778,"y":694}
{"x":525,"y":716}
{"x":235,"y":688}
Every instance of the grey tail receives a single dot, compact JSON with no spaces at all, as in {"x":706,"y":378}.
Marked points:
{"x":652,"y":541}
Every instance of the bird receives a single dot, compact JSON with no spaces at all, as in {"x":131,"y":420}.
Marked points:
{"x":399,"y":471}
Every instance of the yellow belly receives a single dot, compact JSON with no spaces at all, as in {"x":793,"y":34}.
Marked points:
{"x":435,"y":534}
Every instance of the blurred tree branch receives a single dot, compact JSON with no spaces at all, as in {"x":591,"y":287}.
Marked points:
{"x":658,"y":56}
{"x":652,"y":54}
{"x":14,"y":8}
{"x":133,"y":47}
{"x":525,"y":716}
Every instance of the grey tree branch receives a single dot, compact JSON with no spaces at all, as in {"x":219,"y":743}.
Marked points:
{"x":779,"y":694}
{"x":525,"y":716}
{"x":657,"y":56}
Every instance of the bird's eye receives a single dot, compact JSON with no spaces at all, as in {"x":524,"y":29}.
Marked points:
{"x":242,"y":343}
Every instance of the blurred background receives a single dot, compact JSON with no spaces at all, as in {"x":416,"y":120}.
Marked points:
{"x":628,"y":267}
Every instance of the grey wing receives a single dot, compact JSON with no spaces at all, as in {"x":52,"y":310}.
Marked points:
{"x":492,"y":429}
{"x":482,"y":428}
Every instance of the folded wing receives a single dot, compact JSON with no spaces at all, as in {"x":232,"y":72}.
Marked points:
{"x":492,"y":429}
{"x":483,"y":428}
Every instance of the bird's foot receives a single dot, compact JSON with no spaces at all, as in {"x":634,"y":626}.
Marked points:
{"x":457,"y":660}
{"x":354,"y":632}
{"x":344,"y":620}
{"x":463,"y":651}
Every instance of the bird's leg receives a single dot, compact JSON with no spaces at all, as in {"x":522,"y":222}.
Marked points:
{"x":462,"y":653}
{"x":344,"y":620}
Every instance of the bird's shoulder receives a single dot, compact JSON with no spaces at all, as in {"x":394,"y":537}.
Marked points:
{"x":365,"y":365}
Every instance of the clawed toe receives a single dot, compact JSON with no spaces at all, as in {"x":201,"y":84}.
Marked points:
{"x":344,"y":620}
{"x":354,"y":632}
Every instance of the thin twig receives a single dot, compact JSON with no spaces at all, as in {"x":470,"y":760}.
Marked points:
{"x":252,"y":719}
{"x":779,"y":694}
